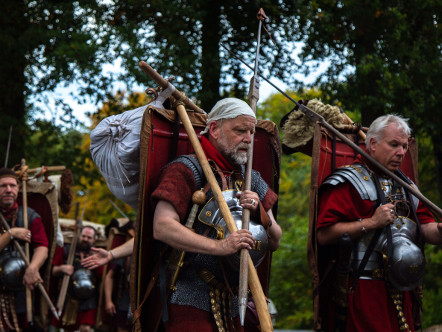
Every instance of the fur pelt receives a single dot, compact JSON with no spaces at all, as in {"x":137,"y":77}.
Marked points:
{"x":298,"y":130}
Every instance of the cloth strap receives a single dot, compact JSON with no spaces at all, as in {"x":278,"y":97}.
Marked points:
{"x":377,"y":234}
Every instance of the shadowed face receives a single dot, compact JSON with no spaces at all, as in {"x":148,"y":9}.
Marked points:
{"x":87,"y":239}
{"x":8,"y":191}
{"x":233,"y":138}
{"x":390,"y":150}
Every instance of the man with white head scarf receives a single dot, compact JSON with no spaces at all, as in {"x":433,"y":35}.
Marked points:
{"x":225,"y":141}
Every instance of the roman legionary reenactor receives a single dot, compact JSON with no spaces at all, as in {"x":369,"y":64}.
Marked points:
{"x":368,"y":226}
{"x":185,"y":252}
{"x":14,"y":275}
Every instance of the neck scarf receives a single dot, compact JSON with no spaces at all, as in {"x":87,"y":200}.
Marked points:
{"x":10,"y":213}
{"x":213,"y":154}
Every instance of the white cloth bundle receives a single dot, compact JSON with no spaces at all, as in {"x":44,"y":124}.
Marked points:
{"x":115,"y":149}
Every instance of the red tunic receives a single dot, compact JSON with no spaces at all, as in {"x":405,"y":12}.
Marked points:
{"x":370,"y":307}
{"x":39,"y":238}
{"x":176,"y":186}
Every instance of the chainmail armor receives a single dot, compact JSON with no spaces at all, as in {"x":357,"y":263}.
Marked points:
{"x":191,"y":289}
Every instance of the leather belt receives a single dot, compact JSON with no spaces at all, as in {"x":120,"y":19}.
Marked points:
{"x":376,"y":274}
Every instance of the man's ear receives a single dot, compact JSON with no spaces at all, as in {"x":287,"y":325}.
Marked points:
{"x":372,"y":144}
{"x":214,"y":130}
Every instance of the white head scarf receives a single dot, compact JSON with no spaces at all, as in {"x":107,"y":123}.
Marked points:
{"x":228,"y":108}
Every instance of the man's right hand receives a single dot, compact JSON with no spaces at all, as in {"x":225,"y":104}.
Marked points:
{"x":21,"y":233}
{"x":383,"y":216}
{"x":99,"y":258}
{"x":110,"y":308}
{"x":241,"y":239}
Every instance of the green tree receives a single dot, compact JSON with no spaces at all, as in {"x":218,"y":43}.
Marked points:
{"x":182,"y":38}
{"x":290,"y":286}
{"x":384,"y":56}
{"x":47,"y":44}
{"x":44,"y":44}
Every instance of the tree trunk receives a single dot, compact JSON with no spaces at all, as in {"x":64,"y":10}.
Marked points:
{"x":210,"y":63}
{"x":12,"y":81}
{"x":436,"y":138}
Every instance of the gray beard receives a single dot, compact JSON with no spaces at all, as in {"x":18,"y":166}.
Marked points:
{"x":238,"y":158}
{"x":234,"y":157}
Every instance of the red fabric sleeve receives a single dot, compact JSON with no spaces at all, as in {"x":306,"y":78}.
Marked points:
{"x":424,"y":215}
{"x":176,"y":186}
{"x":58,"y":256}
{"x":269,"y":199}
{"x":39,"y":238}
{"x":343,"y":203}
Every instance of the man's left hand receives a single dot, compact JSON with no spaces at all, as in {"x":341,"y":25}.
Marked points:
{"x":248,"y":200}
{"x":32,"y":277}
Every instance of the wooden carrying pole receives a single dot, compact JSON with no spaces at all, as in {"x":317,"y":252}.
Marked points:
{"x":254,"y":283}
{"x":253,"y":100}
{"x":164,"y":84}
{"x":24,"y":178}
{"x":70,"y":261}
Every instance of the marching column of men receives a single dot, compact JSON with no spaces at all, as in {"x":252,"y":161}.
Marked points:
{"x":363,"y":213}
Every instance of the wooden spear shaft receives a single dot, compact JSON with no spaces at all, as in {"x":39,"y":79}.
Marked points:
{"x":69,"y":261}
{"x":244,"y":254}
{"x":24,"y":178}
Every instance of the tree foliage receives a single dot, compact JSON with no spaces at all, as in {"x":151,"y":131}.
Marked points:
{"x":182,"y":38}
{"x":45,"y":44}
{"x":384,"y":56}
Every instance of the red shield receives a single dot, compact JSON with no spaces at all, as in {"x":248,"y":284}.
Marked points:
{"x":327,"y":154}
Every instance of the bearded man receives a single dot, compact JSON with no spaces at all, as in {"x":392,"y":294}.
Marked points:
{"x":205,"y":277}
{"x":12,"y":291}
{"x":80,"y":308}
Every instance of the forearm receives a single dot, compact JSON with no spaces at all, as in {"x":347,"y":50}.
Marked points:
{"x":432,"y":233}
{"x":108,"y":286}
{"x":274,"y":233}
{"x":168,"y":229}
{"x":124,"y":250}
{"x":182,"y":238}
{"x":5,"y":238}
{"x":39,"y":257}
{"x":57,"y":271}
{"x":355,"y":229}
